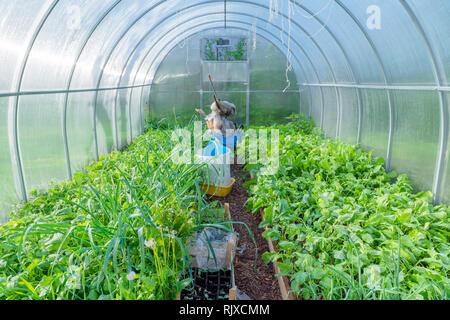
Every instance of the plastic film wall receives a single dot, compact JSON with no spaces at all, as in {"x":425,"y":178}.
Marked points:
{"x":263,"y":92}
{"x":76,"y":77}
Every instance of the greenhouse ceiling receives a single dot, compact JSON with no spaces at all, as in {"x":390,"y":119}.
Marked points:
{"x":371,"y":72}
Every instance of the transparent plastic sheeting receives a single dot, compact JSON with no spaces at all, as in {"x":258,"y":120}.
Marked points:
{"x":181,"y":83}
{"x":76,"y":77}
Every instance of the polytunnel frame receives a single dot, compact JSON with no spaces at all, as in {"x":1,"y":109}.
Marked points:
{"x":439,"y":78}
{"x":308,"y":35}
{"x":69,"y":84}
{"x":150,"y":50}
{"x":154,"y":27}
{"x":206,"y":14}
{"x":437,"y":69}
{"x":100,"y":78}
{"x":438,"y":72}
{"x":348,"y":61}
{"x":384,"y":72}
{"x":351,"y":67}
{"x":125,"y":32}
{"x":14,"y":105}
{"x":209,"y":29}
{"x":237,"y":13}
{"x":236,"y":28}
{"x":315,"y":43}
{"x":16,"y":151}
{"x":438,"y":75}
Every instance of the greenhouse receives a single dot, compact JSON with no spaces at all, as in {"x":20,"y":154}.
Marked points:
{"x":224,"y":150}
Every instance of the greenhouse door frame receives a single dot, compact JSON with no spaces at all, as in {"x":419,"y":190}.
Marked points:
{"x":247,"y":83}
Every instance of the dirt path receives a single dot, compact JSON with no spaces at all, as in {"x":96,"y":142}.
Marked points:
{"x":259,"y":282}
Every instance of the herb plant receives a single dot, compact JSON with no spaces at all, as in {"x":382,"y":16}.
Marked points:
{"x":116,"y":231}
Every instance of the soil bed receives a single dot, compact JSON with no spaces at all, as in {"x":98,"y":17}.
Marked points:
{"x":258,"y":282}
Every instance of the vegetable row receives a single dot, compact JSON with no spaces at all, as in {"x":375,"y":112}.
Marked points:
{"x":346,"y":229}
{"x":115,"y":231}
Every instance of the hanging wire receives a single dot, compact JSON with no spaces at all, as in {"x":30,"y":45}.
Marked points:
{"x":254,"y":35}
{"x":288,"y":57}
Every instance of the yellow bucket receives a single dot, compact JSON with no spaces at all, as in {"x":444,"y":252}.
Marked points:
{"x":217,"y":191}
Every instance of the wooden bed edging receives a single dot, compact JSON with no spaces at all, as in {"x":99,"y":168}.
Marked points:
{"x":231,"y":253}
{"x":283,"y":281}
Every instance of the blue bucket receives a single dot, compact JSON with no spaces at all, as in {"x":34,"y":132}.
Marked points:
{"x":214,"y":149}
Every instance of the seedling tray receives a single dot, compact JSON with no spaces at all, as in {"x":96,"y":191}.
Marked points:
{"x":213,"y":284}
{"x":210,"y":285}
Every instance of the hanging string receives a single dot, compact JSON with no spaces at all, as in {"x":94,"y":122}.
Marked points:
{"x":288,"y":57}
{"x":273,"y":9}
{"x":325,"y":7}
{"x":328,"y":6}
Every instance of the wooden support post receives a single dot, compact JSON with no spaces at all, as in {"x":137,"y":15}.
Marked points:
{"x":230,"y":254}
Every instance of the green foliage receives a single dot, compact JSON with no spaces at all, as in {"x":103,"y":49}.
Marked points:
{"x":238,"y":54}
{"x":230,"y":54}
{"x":345,"y":228}
{"x":116,"y":231}
{"x":209,"y":50}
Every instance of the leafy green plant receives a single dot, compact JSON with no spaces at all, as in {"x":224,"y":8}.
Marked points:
{"x":208,"y":50}
{"x":240,"y":51}
{"x":346,"y":229}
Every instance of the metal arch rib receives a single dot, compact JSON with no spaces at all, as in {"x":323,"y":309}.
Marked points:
{"x":13,"y":110}
{"x":439,"y":75}
{"x":125,"y":32}
{"x":69,"y":83}
{"x":134,"y":50}
{"x":383,"y":69}
{"x":109,"y":57}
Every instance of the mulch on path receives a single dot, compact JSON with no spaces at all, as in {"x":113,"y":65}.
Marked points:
{"x":259,"y":282}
